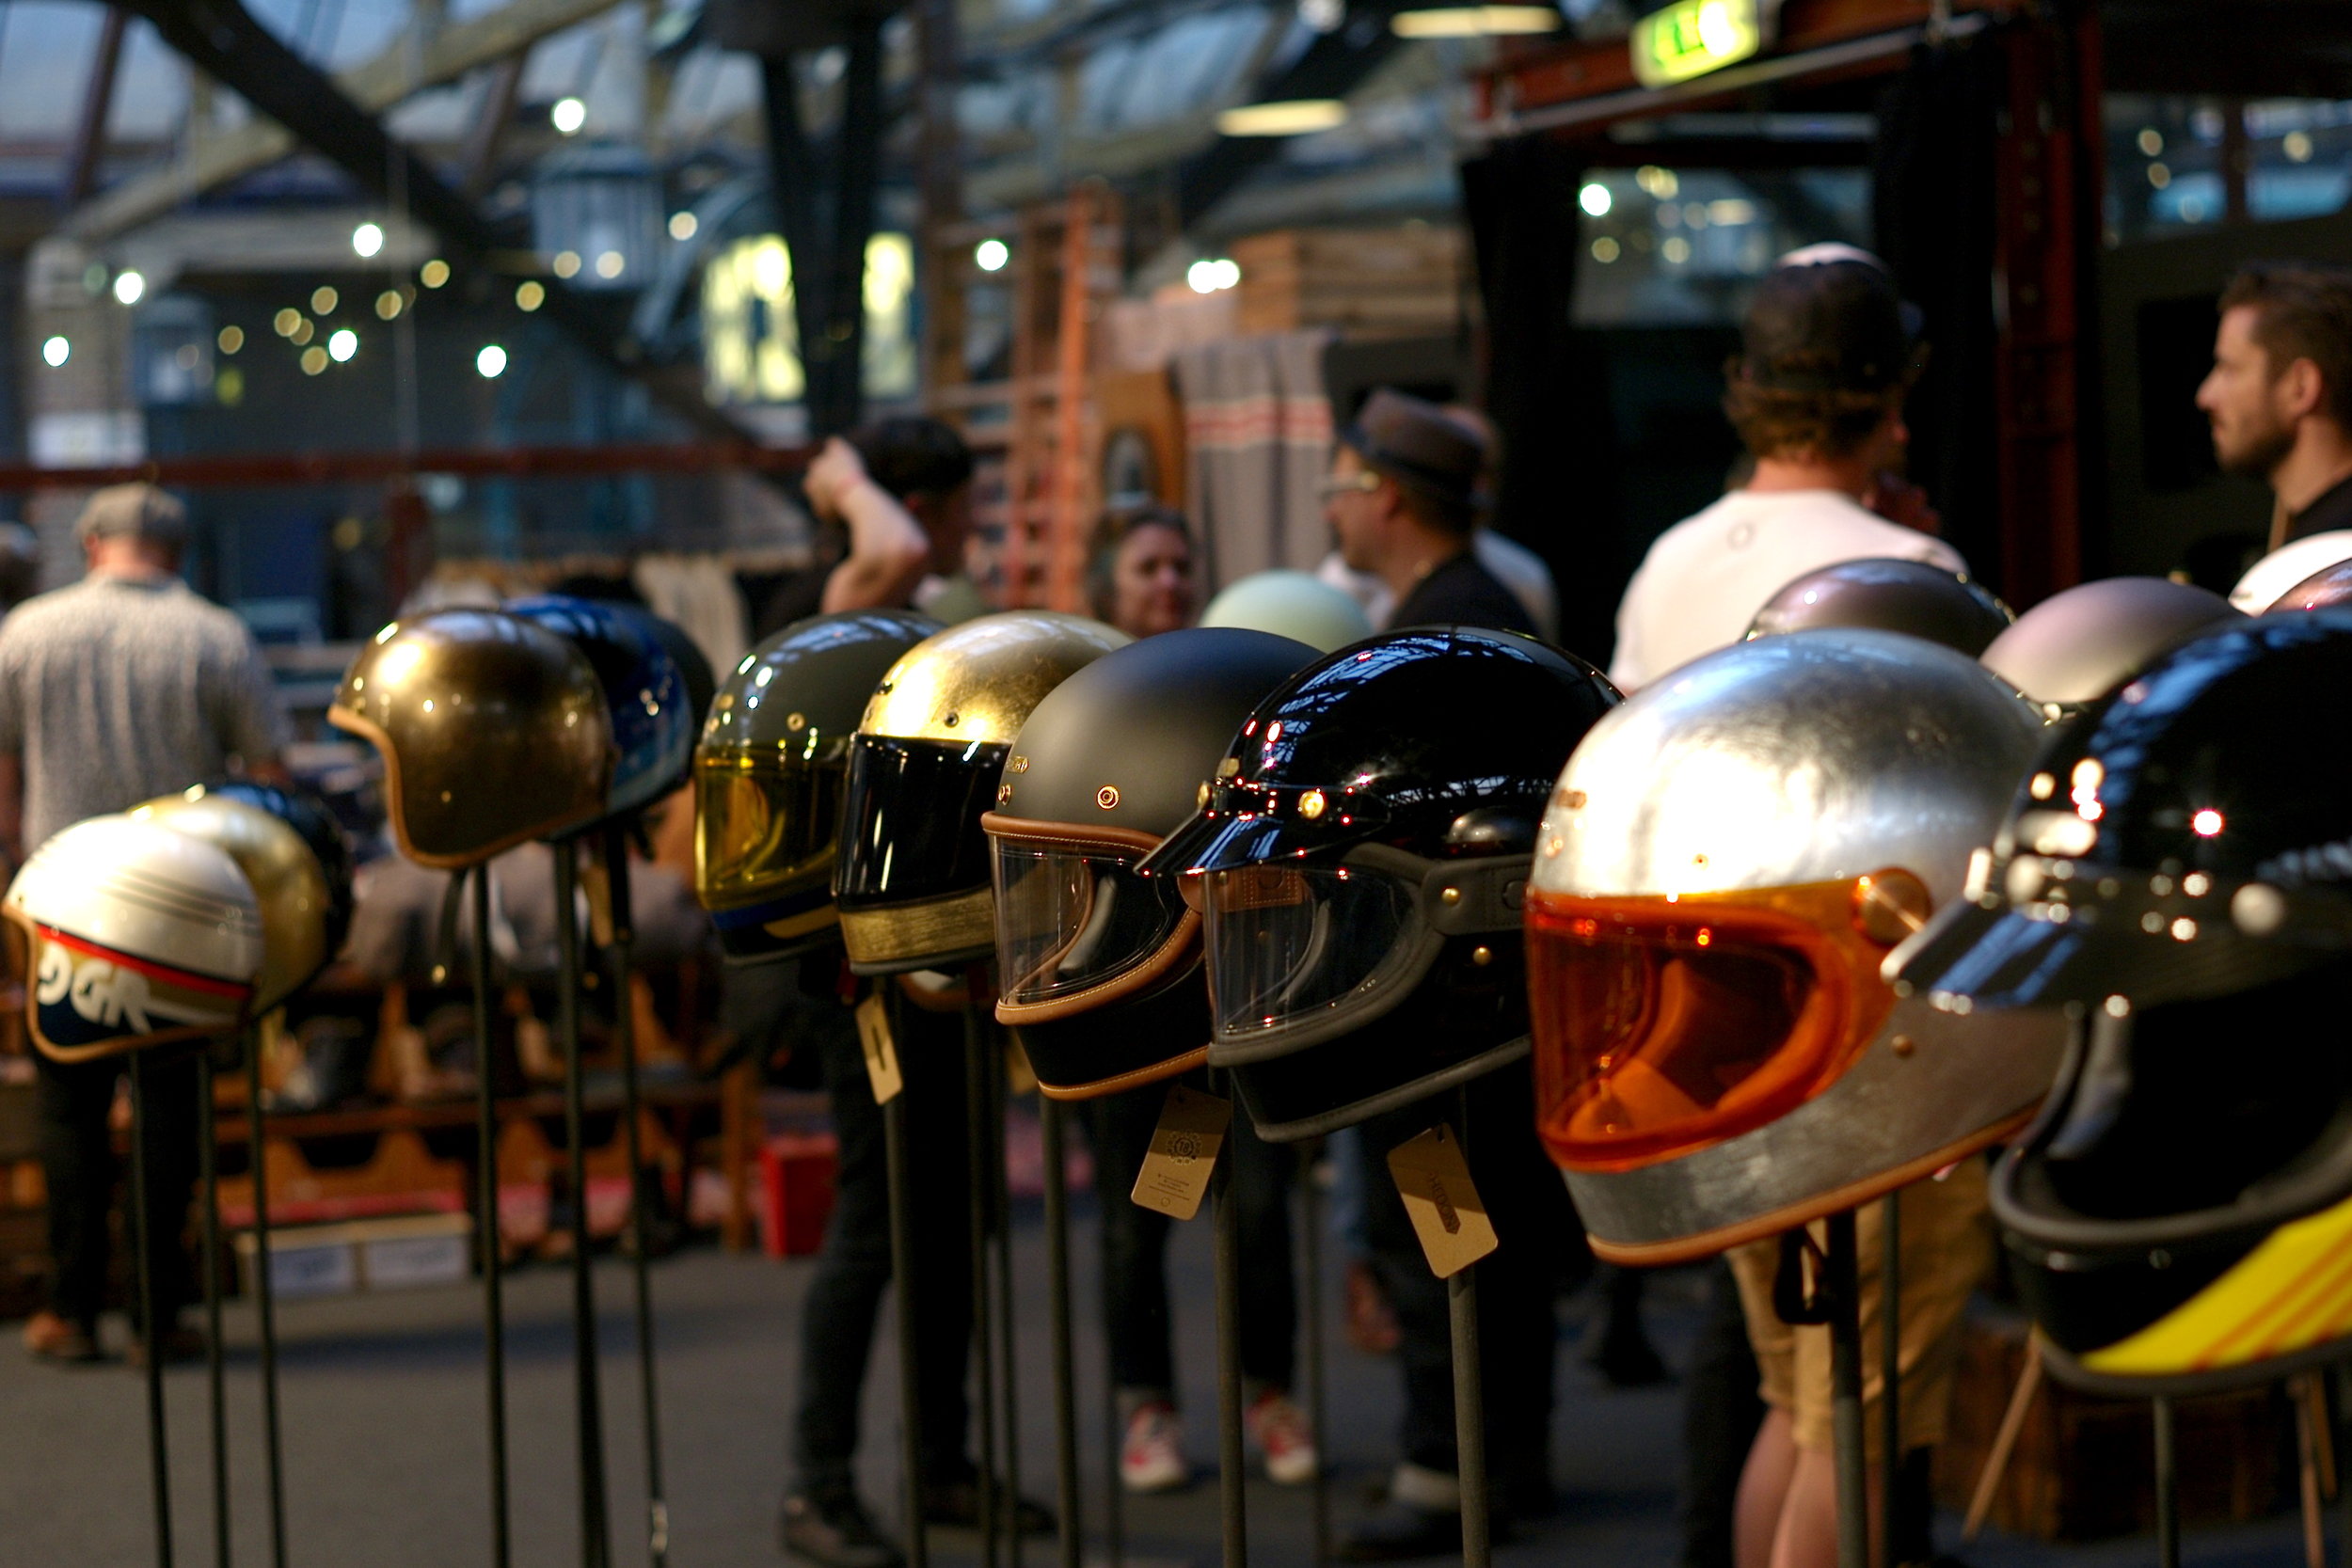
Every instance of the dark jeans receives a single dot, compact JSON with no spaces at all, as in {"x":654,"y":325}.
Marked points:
{"x":1541,"y":1249}
{"x":78,"y":1165}
{"x":1721,"y":1412}
{"x":853,"y":1268}
{"x":1135,"y":1247}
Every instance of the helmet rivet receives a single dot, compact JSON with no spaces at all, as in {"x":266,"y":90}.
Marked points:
{"x":796,"y":722}
{"x":1903,"y":1045}
{"x":1481,"y":956}
{"x":1310,"y":804}
{"x":950,"y":721}
{"x":1004,"y":793}
{"x":1449,"y":898}
{"x":1106,"y":797}
{"x":2159,"y":1258}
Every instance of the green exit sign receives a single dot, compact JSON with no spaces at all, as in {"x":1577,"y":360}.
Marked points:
{"x":1690,"y":37}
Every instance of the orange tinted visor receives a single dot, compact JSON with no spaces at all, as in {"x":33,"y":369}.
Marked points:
{"x":1662,"y":1028}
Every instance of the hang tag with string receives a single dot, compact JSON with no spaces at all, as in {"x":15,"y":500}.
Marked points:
{"x":879,"y":1050}
{"x":1185,"y":1145}
{"x":1442,"y":1202}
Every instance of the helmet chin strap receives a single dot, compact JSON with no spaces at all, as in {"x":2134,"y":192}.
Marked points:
{"x":2099,"y":1093}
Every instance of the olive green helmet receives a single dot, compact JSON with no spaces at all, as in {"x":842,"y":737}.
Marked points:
{"x":494,"y":731}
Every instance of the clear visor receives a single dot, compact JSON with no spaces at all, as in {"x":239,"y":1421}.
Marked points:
{"x":1069,"y":919}
{"x":1287,"y":944}
{"x":762,"y":823}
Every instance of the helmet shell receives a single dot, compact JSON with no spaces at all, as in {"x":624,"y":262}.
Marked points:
{"x":298,"y":905}
{"x":309,"y":814}
{"x":2330,"y":587}
{"x":769,"y":773}
{"x":1114,"y":759}
{"x":1296,"y":605}
{"x":494,"y":731}
{"x":913,"y":884}
{"x":1888,"y":594}
{"x":2077,"y":646}
{"x":138,"y":937}
{"x":2288,"y":566}
{"x":644,"y":693}
{"x":694,"y":665}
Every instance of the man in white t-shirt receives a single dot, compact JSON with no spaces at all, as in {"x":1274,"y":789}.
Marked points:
{"x":1827,"y":357}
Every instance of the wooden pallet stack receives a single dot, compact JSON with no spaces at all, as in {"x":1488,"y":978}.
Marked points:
{"x":1407,"y":281}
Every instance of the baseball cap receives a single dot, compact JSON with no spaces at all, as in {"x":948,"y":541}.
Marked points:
{"x":1828,"y":319}
{"x":136,"y":509}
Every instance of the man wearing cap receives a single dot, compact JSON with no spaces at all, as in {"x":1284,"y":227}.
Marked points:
{"x":1403,"y":500}
{"x":121,"y":688}
{"x":1828,"y":354}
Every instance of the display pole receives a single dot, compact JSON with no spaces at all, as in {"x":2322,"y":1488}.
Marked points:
{"x":2341,"y":1379}
{"x":208,"y":1180}
{"x":264,"y":1296}
{"x":595,"y":1545}
{"x":1065,"y":1373}
{"x":1006,"y":1322}
{"x":1470,"y":1388}
{"x":1841,"y":1285}
{"x":1890,"y":1379}
{"x":1230,"y":1463}
{"x":2168,"y":1486}
{"x":623,"y":963}
{"x":487,"y":1223}
{"x":1114,"y":1431}
{"x":902,"y":1277}
{"x":142,"y":1223}
{"x":1311,"y":1261}
{"x":977,"y":1083}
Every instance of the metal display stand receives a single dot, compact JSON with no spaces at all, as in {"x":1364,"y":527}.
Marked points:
{"x":596,"y":1541}
{"x":979,"y":1086}
{"x":1113,"y":1430}
{"x":1890,"y":1380}
{"x":2167,"y":1486}
{"x":1469,"y":1390}
{"x":1008,"y":1366}
{"x":208,"y":1180}
{"x":1231,"y":1466}
{"x":1311,"y":1307}
{"x":1841,"y":1285}
{"x":1065,"y":1373}
{"x":894,"y":1111}
{"x":264,"y":1297}
{"x":487,"y":1223}
{"x":142,"y":1223}
{"x":621,"y":962}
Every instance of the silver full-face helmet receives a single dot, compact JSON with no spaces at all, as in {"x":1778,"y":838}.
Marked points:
{"x":1724,"y":868}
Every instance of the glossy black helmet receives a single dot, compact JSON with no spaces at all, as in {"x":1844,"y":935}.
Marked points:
{"x":768,"y":778}
{"x":1361,"y":861}
{"x":2077,"y":646}
{"x":2182,"y":1210}
{"x":644,"y":693}
{"x":1099,"y":967}
{"x":693,"y":668}
{"x":1913,"y":597}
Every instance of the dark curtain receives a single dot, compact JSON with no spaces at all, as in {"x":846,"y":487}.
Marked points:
{"x":1934,"y":180}
{"x":1544,"y":383}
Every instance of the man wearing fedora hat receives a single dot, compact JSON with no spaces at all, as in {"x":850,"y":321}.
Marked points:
{"x":1404,"y":501}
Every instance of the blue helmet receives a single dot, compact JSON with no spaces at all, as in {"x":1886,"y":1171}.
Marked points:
{"x":653,"y":724}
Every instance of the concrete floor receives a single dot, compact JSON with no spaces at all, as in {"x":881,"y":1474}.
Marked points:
{"x":382,"y":1415}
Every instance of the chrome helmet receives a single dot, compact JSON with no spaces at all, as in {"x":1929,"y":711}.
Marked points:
{"x":2292,"y":564}
{"x":1725,"y":862}
{"x":2077,"y":646}
{"x":1890,"y":595}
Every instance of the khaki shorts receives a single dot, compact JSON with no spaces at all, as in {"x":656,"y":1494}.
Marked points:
{"x":1946,"y":1248}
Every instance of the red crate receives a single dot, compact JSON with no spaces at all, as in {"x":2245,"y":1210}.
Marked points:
{"x":796,"y":1171}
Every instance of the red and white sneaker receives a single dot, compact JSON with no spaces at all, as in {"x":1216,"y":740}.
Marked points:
{"x":1278,"y":1428}
{"x":1151,"y":1457}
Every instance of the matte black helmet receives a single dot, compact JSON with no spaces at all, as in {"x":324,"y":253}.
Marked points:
{"x":1888,"y":594}
{"x":2325,"y":589}
{"x":2177,"y":871}
{"x":1361,"y":861}
{"x":768,"y":775}
{"x":1099,"y":967}
{"x":914,"y":883}
{"x":494,"y":731}
{"x":645,"y":694}
{"x":2077,"y":646}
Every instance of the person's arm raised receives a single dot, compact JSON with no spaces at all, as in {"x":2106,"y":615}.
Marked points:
{"x":888,"y":548}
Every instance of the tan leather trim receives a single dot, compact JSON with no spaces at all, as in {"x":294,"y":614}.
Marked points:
{"x":1181,"y":945}
{"x":800,"y":925}
{"x":1157,"y":1072}
{"x":1691,"y":1249}
{"x":905,"y":933}
{"x":344,"y":718}
{"x":1067,"y":834}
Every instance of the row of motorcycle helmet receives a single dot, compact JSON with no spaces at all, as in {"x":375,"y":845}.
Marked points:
{"x":1807,"y":920}
{"x":186,"y":917}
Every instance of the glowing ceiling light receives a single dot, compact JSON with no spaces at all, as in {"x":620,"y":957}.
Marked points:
{"x":1474,"y":21}
{"x":2207,"y":822}
{"x":368,"y":238}
{"x":490,"y":362}
{"x":990,"y":255}
{"x":1293,"y":116}
{"x":568,"y":116}
{"x":1594,"y":199}
{"x":55,"y":352}
{"x":341,"y":346}
{"x":129,"y":286}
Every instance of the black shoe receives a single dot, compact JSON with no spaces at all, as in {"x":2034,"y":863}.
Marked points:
{"x":834,"y":1530}
{"x":957,"y":1504}
{"x":1397,"y":1531}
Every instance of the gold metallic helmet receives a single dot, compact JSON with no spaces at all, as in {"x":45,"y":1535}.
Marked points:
{"x":290,"y":886}
{"x":913,"y":882}
{"x":494,"y":731}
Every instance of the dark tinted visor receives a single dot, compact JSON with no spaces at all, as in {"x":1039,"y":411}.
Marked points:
{"x":911,"y":829}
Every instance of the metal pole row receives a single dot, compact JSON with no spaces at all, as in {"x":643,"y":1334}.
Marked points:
{"x":1469,"y":1390}
{"x":596,"y":1543}
{"x":1232,"y":1474}
{"x":1841,"y":1286}
{"x":486,"y":1223}
{"x":150,"y":1336}
{"x":902,"y":1278}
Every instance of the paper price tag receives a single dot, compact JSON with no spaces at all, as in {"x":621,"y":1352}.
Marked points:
{"x":881,"y":1052}
{"x":598,"y":889}
{"x":1441,"y":1201}
{"x":1175,"y":1174}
